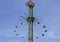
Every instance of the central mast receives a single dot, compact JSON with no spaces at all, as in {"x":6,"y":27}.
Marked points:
{"x":30,"y":20}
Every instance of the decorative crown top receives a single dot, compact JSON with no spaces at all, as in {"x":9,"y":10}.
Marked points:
{"x":30,"y":4}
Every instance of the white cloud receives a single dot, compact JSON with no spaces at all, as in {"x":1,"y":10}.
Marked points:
{"x":53,"y":35}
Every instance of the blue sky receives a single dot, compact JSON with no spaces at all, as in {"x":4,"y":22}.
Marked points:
{"x":48,"y":10}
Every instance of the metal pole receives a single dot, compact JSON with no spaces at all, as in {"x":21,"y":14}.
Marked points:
{"x":30,"y":0}
{"x":30,"y":26}
{"x":30,"y":20}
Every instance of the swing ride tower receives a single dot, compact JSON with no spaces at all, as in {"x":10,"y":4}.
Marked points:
{"x":30,"y":20}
